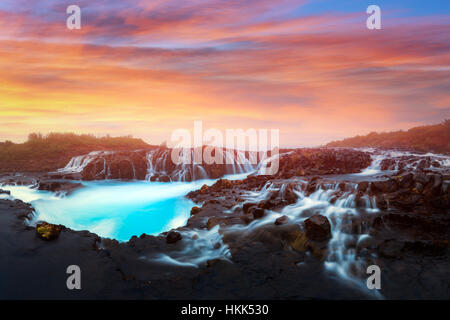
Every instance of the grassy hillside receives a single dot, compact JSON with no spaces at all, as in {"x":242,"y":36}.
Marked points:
{"x":432,"y":138}
{"x":53,"y":151}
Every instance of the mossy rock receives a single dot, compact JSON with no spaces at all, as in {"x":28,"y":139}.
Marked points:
{"x":48,"y":231}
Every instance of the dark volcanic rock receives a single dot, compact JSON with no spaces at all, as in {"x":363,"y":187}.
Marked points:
{"x":281,"y":220}
{"x":173,"y":236}
{"x":318,"y":228}
{"x":5,"y":192}
{"x":195,"y":210}
{"x":321,"y":161}
{"x":256,"y":212}
{"x":57,"y":186}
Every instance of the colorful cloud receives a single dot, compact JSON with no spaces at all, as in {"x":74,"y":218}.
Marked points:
{"x":148,"y":67}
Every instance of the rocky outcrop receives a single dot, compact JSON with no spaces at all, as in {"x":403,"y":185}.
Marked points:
{"x":117,"y":165}
{"x":322,"y":161}
{"x":417,"y":191}
{"x":58,"y":186}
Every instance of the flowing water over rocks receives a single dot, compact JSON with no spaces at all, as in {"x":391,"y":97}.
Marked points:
{"x":310,"y":231}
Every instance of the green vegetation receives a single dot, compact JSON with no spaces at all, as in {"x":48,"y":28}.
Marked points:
{"x":53,"y":151}
{"x":432,"y":138}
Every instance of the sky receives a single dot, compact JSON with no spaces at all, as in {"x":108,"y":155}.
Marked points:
{"x":309,"y":68}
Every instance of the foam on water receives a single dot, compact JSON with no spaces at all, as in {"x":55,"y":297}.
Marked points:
{"x":199,"y":247}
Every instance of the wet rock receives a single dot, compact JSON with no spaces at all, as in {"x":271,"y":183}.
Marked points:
{"x":289,"y":194}
{"x":303,"y":243}
{"x":246,"y":206}
{"x":246,"y":218}
{"x":406,"y":180}
{"x":391,"y":248}
{"x":48,"y":231}
{"x":223,"y":184}
{"x":204,"y":189}
{"x":435,"y":164}
{"x":362,"y":186}
{"x":164,"y":178}
{"x":195,"y":210}
{"x":422,"y":178}
{"x":321,"y":161}
{"x":381,"y":202}
{"x":300,"y":242}
{"x":388,"y":164}
{"x":49,"y":186}
{"x":433,"y":187}
{"x":5,"y":192}
{"x":173,"y":237}
{"x":55,"y":186}
{"x":270,"y":204}
{"x":318,"y":228}
{"x":257,"y":213}
{"x":214,"y":221}
{"x":365,"y":242}
{"x":384,"y":186}
{"x":281,"y":220}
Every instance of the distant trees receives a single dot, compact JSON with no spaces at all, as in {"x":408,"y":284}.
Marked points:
{"x":434,"y":138}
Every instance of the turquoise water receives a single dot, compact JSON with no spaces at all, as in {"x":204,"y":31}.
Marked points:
{"x":115,"y":209}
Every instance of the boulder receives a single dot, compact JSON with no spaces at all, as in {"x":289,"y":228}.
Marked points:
{"x":281,"y":220}
{"x":173,"y":237}
{"x":318,"y":228}
{"x":257,"y":213}
{"x":195,"y":210}
{"x":289,"y":194}
{"x":204,"y":189}
{"x":246,"y":206}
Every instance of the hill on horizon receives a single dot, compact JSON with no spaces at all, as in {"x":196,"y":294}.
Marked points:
{"x":53,"y":151}
{"x":428,"y":138}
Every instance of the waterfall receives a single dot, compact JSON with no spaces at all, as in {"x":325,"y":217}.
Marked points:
{"x":375,"y":166}
{"x":160,"y":164}
{"x":78,"y":163}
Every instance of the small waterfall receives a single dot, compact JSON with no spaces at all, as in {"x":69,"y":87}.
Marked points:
{"x":199,"y":246}
{"x":78,"y":163}
{"x":375,"y":166}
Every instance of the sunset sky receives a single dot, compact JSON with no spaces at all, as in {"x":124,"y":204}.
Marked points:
{"x":310,"y":68}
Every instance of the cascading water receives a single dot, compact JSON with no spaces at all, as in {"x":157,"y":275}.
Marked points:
{"x":403,"y":160}
{"x":349,"y":232}
{"x":199,"y":247}
{"x":78,"y":163}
